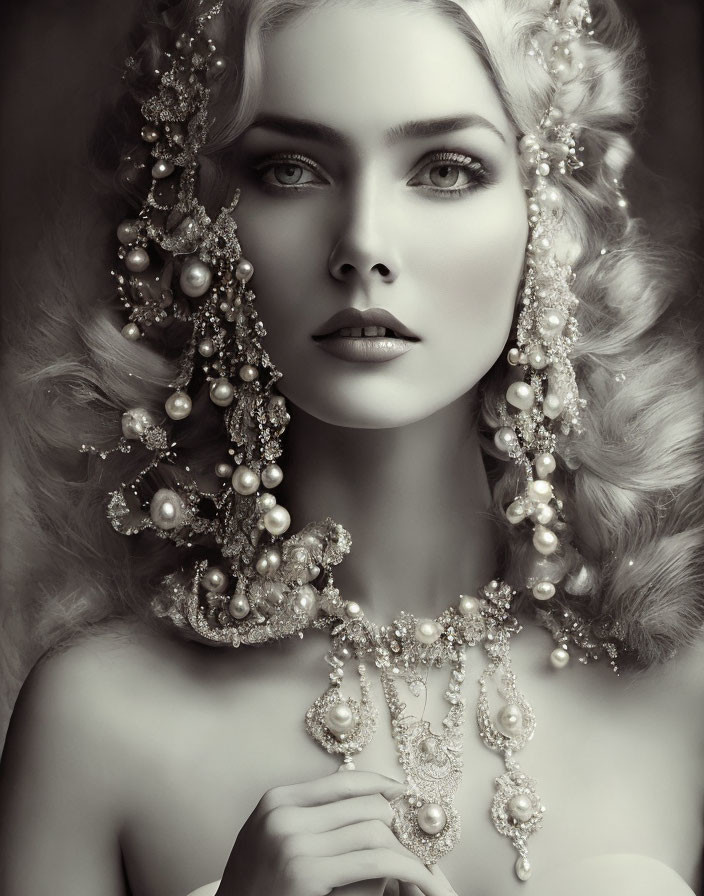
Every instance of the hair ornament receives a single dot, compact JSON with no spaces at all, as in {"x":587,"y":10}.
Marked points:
{"x":177,"y":266}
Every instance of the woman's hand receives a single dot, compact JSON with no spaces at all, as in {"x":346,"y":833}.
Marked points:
{"x":307,"y":839}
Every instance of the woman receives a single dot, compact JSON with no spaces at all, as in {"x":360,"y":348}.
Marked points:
{"x":142,"y":761}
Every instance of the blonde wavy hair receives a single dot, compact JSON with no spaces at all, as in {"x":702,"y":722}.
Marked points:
{"x":631,"y":483}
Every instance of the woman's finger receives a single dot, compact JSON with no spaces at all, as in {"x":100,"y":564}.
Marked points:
{"x":363,"y":888}
{"x":409,"y":890}
{"x":371,"y":864}
{"x":332,"y":816}
{"x":437,"y":871}
{"x":332,"y":788}
{"x":352,"y":838}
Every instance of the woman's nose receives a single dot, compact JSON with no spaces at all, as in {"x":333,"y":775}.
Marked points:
{"x":364,"y":249}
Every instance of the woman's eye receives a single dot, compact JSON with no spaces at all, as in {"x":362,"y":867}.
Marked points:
{"x":454,"y":174}
{"x":286,"y":174}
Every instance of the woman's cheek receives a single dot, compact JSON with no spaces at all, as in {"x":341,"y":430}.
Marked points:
{"x":477,"y":283}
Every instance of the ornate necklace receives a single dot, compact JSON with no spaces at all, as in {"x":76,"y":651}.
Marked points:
{"x":425,"y":819}
{"x":291,"y":588}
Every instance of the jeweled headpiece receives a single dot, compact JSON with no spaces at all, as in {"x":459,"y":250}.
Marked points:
{"x":175,"y":262}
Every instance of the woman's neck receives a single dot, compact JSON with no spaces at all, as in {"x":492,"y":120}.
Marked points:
{"x":415,"y":500}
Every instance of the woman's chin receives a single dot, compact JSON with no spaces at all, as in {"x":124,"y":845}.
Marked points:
{"x":365,"y":411}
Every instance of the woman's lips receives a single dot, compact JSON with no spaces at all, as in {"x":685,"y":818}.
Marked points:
{"x":368,"y":344}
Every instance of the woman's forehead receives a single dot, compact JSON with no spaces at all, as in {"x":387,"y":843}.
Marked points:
{"x":374,"y":66}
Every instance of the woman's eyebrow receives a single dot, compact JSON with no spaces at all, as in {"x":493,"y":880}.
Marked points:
{"x":432,"y":127}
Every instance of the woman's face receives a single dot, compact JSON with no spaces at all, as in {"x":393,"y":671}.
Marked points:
{"x":380,"y":172}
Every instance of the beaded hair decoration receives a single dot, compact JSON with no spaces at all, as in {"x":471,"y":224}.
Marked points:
{"x":242,"y":579}
{"x":175,"y":262}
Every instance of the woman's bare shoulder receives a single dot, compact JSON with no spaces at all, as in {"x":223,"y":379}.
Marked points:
{"x":68,"y":761}
{"x":88,"y":693}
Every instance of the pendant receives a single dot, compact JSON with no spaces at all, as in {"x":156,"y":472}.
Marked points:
{"x":340,"y":724}
{"x":516,"y":810}
{"x":425,"y":820}
{"x":430,"y":830}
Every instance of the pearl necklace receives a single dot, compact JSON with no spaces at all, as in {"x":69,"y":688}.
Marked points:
{"x":425,"y":819}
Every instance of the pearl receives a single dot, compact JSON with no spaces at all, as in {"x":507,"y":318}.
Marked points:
{"x":529,"y":144}
{"x":245,"y":481}
{"x":559,"y":658}
{"x":137,"y":260}
{"x":178,"y":406}
{"x":545,"y":464}
{"x":543,"y":169}
{"x":277,"y":520}
{"x":545,"y":541}
{"x":427,"y":631}
{"x":340,"y":719}
{"x":224,"y":470}
{"x":343,"y":653}
{"x":272,"y":475}
{"x":248,"y":373}
{"x":521,"y":396}
{"x":353,"y":609}
{"x":269,"y":562}
{"x":543,"y":514}
{"x":552,"y":322}
{"x":135,"y":422}
{"x":206,"y":348}
{"x":552,"y":199}
{"x":244,"y":270}
{"x":523,"y":868}
{"x":521,"y":807}
{"x":516,"y":512}
{"x":215,"y":580}
{"x":514,"y":357}
{"x":162,"y":169}
{"x":239,"y":607}
{"x":131,"y":331}
{"x":542,"y":245}
{"x":266,"y":501}
{"x":273,"y":558}
{"x":510,"y":719}
{"x":195,"y":278}
{"x":553,"y":405}
{"x":127,"y":231}
{"x":166,"y":509}
{"x":505,"y":439}
{"x":544,"y":591}
{"x":277,"y":403}
{"x":540,"y":491}
{"x":217,"y":66}
{"x":468,"y":605}
{"x":222,"y":392}
{"x":431,"y":818}
{"x":537,"y":359}
{"x":305,"y":600}
{"x":149,"y":134}
{"x":275,"y":592}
